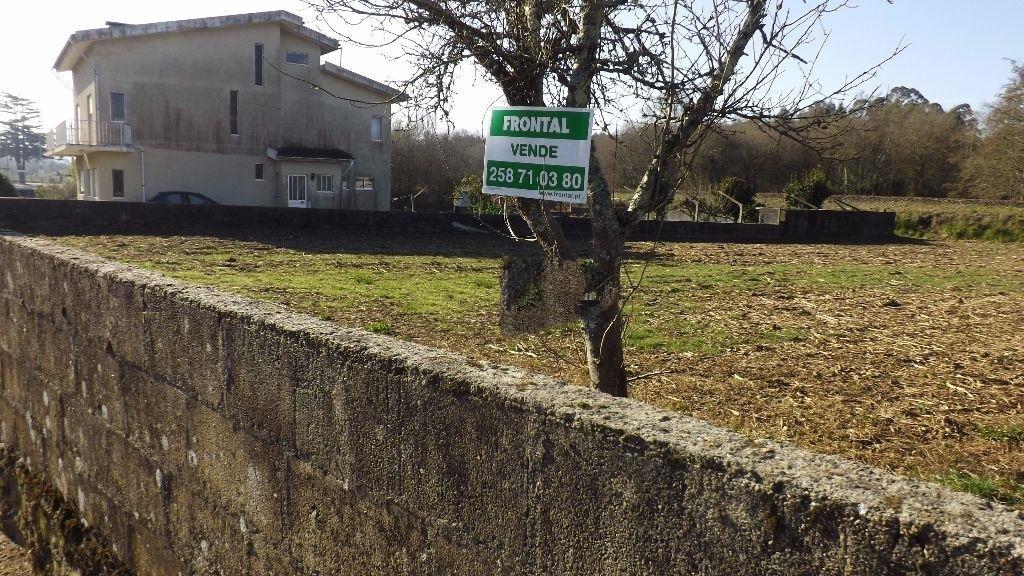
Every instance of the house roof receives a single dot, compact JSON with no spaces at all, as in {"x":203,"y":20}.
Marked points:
{"x":394,"y":94}
{"x":299,"y":153}
{"x":79,"y":42}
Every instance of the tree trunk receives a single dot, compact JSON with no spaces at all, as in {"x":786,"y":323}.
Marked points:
{"x":603,"y":325}
{"x":600,"y":312}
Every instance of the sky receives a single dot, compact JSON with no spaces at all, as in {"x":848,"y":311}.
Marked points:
{"x":956,"y":50}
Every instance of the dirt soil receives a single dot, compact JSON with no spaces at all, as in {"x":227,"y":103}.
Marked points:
{"x":14,"y":560}
{"x":909,"y":356}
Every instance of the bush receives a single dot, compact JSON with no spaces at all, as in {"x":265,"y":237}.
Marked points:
{"x":63,"y":190}
{"x":811,"y":189}
{"x":737,"y":188}
{"x":6,"y":188}
{"x":480,"y":203}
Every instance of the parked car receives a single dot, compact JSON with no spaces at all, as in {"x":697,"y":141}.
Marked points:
{"x":176,"y":197}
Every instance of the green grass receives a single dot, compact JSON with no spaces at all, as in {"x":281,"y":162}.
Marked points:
{"x":993,"y":487}
{"x":434,"y":291}
{"x":1008,"y":434}
{"x":379,"y":328}
{"x":998,"y":224}
{"x":415,"y":285}
{"x":682,"y":338}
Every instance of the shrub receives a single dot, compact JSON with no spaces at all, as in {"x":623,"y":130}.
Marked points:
{"x":811,"y":189}
{"x":737,"y":188}
{"x":66,"y":189}
{"x":6,"y":188}
{"x":480,"y":203}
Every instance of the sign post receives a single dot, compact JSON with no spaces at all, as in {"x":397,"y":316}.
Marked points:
{"x":539,"y":153}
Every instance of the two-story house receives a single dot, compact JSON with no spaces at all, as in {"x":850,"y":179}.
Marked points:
{"x":238,"y":108}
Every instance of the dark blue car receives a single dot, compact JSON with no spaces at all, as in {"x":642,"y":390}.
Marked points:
{"x":181,"y":198}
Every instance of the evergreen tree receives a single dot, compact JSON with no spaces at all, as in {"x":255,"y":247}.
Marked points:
{"x":20,"y":137}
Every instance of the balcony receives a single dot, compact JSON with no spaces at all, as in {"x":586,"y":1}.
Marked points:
{"x":75,"y":138}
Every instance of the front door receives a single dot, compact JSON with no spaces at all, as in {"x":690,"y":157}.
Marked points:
{"x":297,"y":191}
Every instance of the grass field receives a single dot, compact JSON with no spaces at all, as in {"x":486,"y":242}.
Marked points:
{"x":907,"y":356}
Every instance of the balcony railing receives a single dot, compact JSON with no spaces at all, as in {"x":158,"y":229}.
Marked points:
{"x":90,"y":133}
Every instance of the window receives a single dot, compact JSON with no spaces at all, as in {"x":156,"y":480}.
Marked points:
{"x":376,"y":128}
{"x":118,"y":189}
{"x":259,"y":170}
{"x":117,"y":106}
{"x":85,"y":181}
{"x":324,"y":182}
{"x":364,"y":183}
{"x":296,"y":58}
{"x":297,"y":191}
{"x":193,"y":198}
{"x":88,"y":105}
{"x":234,"y":111}
{"x":258,"y":61}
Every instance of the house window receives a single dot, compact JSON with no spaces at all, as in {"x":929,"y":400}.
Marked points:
{"x":117,"y":106}
{"x":364,"y":183}
{"x":118,"y":188}
{"x":234,"y":111}
{"x":376,"y":128}
{"x":296,"y":190}
{"x":296,"y":58}
{"x":324,"y":182}
{"x":258,"y":61}
{"x":259,"y":170}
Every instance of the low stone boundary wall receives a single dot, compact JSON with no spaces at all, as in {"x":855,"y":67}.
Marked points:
{"x":48,"y":215}
{"x":827,"y":225}
{"x":207,"y":433}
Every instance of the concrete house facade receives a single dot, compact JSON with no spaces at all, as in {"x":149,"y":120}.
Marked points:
{"x":237,"y":108}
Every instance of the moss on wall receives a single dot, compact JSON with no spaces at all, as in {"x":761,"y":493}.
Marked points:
{"x":36,"y":516}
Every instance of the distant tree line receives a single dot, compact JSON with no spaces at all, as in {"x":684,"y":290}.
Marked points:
{"x":897,"y":145}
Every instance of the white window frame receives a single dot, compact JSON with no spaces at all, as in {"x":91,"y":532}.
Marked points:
{"x":305,"y":57}
{"x":304,"y":188}
{"x":325,"y":182}
{"x":263,"y":172}
{"x":360,"y":183}
{"x":377,"y":122}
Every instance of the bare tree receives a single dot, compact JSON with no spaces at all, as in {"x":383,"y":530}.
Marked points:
{"x":683,"y":65}
{"x":996,"y":169}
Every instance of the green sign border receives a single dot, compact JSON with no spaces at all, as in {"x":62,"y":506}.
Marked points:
{"x":578,"y":123}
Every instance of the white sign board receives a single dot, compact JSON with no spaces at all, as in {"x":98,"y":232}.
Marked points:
{"x":538,"y":153}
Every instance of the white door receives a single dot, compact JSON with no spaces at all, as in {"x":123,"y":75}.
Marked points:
{"x":297,"y":191}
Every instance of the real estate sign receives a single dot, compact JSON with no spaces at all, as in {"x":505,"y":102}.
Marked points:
{"x":538,"y":153}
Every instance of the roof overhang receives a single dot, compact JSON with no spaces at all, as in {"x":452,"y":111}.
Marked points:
{"x":309,"y":154}
{"x":394,"y":95}
{"x":80,"y":42}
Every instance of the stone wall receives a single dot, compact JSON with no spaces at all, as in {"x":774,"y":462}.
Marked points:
{"x":49,"y":215}
{"x":207,"y":433}
{"x":833,"y":225}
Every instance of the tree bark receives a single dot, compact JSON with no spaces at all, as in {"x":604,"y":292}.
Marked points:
{"x":600,"y":312}
{"x":603,"y":326}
